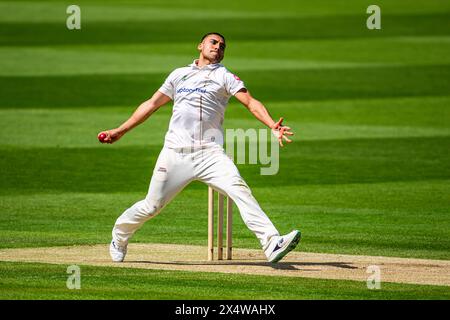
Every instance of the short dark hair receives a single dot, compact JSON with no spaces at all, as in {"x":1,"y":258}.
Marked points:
{"x":216,"y":33}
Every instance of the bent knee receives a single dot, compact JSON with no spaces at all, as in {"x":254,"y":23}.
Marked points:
{"x":151,"y":207}
{"x":238,"y":186}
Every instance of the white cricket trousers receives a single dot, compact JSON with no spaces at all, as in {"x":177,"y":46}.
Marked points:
{"x":176,"y":168}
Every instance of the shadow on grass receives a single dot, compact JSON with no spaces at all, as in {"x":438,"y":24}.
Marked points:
{"x":291,"y":266}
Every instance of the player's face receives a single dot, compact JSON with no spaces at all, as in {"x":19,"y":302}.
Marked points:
{"x":212,"y":48}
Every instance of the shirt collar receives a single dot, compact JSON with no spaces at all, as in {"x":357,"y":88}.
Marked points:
{"x":212,"y":66}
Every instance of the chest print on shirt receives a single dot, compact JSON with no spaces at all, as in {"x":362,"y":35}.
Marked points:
{"x":199,"y":89}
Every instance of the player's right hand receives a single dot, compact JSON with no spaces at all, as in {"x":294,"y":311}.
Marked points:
{"x":111,"y":136}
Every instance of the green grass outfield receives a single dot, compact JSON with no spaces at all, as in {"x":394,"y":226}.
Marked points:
{"x":44,"y":281}
{"x":368,"y":173}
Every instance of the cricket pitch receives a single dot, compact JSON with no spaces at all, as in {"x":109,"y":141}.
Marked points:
{"x":245,"y":261}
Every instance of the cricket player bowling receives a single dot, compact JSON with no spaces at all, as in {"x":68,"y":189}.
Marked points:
{"x":200,"y":93}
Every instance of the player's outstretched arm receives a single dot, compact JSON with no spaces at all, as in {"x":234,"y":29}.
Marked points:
{"x":141,"y":114}
{"x":261,"y":113}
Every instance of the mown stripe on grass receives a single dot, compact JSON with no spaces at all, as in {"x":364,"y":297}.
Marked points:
{"x":325,"y":27}
{"x":53,"y":12}
{"x":48,"y":11}
{"x":240,"y":56}
{"x":309,"y":162}
{"x":45,"y":281}
{"x":282,"y":85}
{"x":53,"y":62}
{"x":324,"y":120}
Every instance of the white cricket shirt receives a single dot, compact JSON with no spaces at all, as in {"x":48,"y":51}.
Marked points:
{"x":200,"y":96}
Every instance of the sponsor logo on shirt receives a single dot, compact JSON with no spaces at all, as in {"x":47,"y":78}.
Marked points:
{"x":191,"y":90}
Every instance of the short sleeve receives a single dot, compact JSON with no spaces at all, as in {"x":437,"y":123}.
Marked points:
{"x":233,"y":83}
{"x":168,"y":87}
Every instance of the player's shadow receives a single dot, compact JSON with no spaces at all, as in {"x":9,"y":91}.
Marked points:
{"x":279,"y":266}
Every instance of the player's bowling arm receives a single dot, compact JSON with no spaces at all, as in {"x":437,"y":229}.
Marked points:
{"x":145,"y":110}
{"x":140,"y":115}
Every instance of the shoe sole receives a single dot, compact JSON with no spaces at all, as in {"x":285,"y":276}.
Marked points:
{"x":289,"y":248}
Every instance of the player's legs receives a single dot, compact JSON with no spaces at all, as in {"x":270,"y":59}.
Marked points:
{"x":173,"y":171}
{"x":217,"y":170}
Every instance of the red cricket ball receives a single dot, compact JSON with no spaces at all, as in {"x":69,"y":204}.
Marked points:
{"x":102,"y":137}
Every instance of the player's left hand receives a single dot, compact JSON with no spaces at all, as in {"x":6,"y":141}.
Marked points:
{"x":281,"y":132}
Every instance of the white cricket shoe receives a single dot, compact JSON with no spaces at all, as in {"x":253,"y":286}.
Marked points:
{"x":117,"y":252}
{"x":280,"y":246}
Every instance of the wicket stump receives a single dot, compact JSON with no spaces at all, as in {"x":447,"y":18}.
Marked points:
{"x":220,"y":201}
